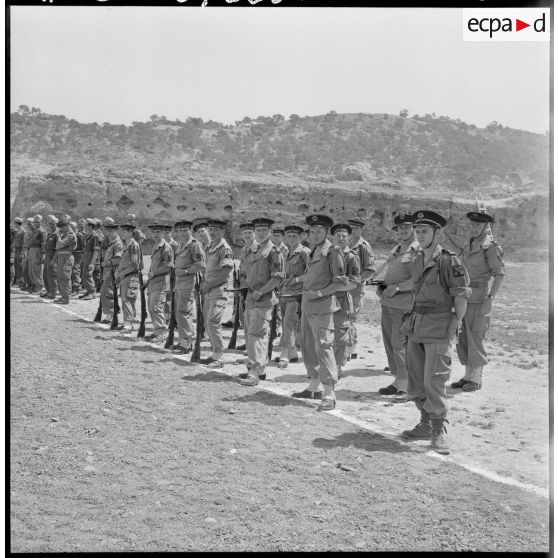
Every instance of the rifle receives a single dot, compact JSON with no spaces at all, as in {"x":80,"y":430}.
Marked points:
{"x":99,"y":313}
{"x":172,"y":322}
{"x":482,"y":209}
{"x":196,"y":351}
{"x":376,"y":282}
{"x":272,"y":332}
{"x":116,"y":306}
{"x":141,"y":330}
{"x":236,"y":306}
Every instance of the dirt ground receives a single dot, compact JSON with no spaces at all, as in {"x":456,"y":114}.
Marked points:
{"x":117,"y":445}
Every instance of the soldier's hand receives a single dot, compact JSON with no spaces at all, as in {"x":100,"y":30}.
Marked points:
{"x":486,"y":306}
{"x":391,"y":290}
{"x":91,"y":268}
{"x":312,"y":295}
{"x":379,"y":290}
{"x":256,"y":295}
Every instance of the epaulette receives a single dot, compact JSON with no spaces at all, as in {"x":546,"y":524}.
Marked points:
{"x":449,"y":252}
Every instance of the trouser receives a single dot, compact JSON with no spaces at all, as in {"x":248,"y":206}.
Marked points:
{"x":129,"y":287}
{"x":87,"y":269}
{"x":342,"y":331}
{"x":184,"y":309}
{"x":65,"y":262}
{"x":429,"y":368}
{"x":358,"y":297}
{"x":12,"y":270}
{"x":76,"y":272}
{"x":213,"y":309}
{"x":49,"y":274}
{"x":395,"y":345}
{"x":157,"y":292}
{"x":107,"y":296}
{"x":242,"y":305}
{"x":17,"y":264}
{"x":316,"y":343}
{"x":257,"y":335}
{"x":36,"y":265}
{"x":470,"y":348}
{"x":290,"y":309}
{"x":97,"y":277}
{"x":25,"y":269}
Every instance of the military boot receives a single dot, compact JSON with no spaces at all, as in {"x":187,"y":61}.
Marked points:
{"x":440,"y":442}
{"x":422,"y":431}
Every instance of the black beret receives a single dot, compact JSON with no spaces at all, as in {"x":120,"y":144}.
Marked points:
{"x":340,"y":227}
{"x":316,"y":219}
{"x":18,"y":220}
{"x":479,"y":217}
{"x":244,"y":226}
{"x":262,"y":222}
{"x":183,"y":224}
{"x":355,"y":222}
{"x":403,"y":219}
{"x":156,"y":227}
{"x":430,"y":218}
{"x":216,"y":223}
{"x":278,"y":229}
{"x":197,"y":226}
{"x":125,"y":227}
{"x":111,"y":227}
{"x":294,"y":228}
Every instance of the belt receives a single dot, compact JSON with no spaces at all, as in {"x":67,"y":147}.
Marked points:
{"x":431,"y":309}
{"x":65,"y":252}
{"x":478,"y":284}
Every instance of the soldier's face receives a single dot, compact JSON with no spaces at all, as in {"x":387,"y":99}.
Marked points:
{"x":216,"y":232}
{"x":81,"y":226}
{"x":262,"y":233}
{"x":248,"y":236}
{"x":157,"y":236}
{"x":293,"y":239}
{"x":276,"y":238}
{"x":357,"y":231}
{"x":477,"y":228}
{"x":425,"y":235}
{"x":341,"y":238}
{"x":317,"y":234}
{"x":404,"y":232}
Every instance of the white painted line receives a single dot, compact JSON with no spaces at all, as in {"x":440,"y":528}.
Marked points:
{"x":393,"y":436}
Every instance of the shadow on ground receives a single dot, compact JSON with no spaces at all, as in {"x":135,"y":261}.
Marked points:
{"x":367,"y":441}
{"x":210,"y":376}
{"x":266,"y":398}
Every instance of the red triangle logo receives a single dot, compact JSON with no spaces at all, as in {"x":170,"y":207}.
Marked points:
{"x":519,"y":25}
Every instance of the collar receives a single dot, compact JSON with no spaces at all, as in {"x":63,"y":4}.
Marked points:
{"x":218,"y":245}
{"x":297,"y":250}
{"x":321,"y":249}
{"x":265,"y":247}
{"x":356,"y":243}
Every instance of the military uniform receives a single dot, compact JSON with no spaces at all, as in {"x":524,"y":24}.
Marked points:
{"x":91,"y":249}
{"x":129,"y":281}
{"x":51,"y":266}
{"x":264,"y":262}
{"x":398,"y":275}
{"x":243,"y":274}
{"x":484,"y":259}
{"x":174,"y":247}
{"x":111,"y":261}
{"x":218,"y":255}
{"x":26,"y":281}
{"x":37,"y":258}
{"x":65,"y":247}
{"x":189,"y":261}
{"x":363,"y":250}
{"x":98,"y":268}
{"x":162,"y":261}
{"x":296,"y":262}
{"x":78,"y":255}
{"x":18,"y":247}
{"x":326,"y":266}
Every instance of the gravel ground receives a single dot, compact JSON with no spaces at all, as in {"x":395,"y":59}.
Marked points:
{"x":117,"y":446}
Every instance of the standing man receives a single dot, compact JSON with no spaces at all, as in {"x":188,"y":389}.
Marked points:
{"x":483,"y":258}
{"x":277,"y":236}
{"x":91,"y":249}
{"x":158,"y":285}
{"x":396,"y":299}
{"x":296,"y":262}
{"x":167,"y":236}
{"x":98,"y":270}
{"x":37,"y":256}
{"x":304,"y":238}
{"x":189,"y":261}
{"x":441,"y":285}
{"x":18,"y":247}
{"x":264,"y":273}
{"x":217,"y":272}
{"x":26,"y":280}
{"x":110,"y":262}
{"x":65,"y":246}
{"x":363,"y":250}
{"x":78,"y":256}
{"x":343,"y":329}
{"x":324,"y":276}
{"x":201,"y":233}
{"x":50,"y":269}
{"x":128,"y":276}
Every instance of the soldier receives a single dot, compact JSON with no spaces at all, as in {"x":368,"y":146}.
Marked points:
{"x":98,"y":270}
{"x":483,"y":258}
{"x":91,"y":248}
{"x":13,"y":231}
{"x":396,"y":299}
{"x":291,"y":294}
{"x":219,"y":264}
{"x":65,"y":246}
{"x":277,"y":236}
{"x":343,"y":329}
{"x":324,"y":276}
{"x":158,"y":282}
{"x":78,"y":256}
{"x":50,"y":269}
{"x":265,"y":271}
{"x":363,"y":250}
{"x":110,"y":262}
{"x":189,"y":261}
{"x":201,"y":233}
{"x":167,"y":236}
{"x":128,"y":276}
{"x":304,"y":238}
{"x":37,"y":255}
{"x":26,"y":281}
{"x":18,"y":247}
{"x":441,"y":291}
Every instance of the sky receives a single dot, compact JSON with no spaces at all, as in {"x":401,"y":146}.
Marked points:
{"x":123,"y":64}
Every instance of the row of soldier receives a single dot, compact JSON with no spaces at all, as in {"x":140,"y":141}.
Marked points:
{"x":429,"y":295}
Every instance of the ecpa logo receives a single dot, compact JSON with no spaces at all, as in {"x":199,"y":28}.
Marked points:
{"x":503,"y":24}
